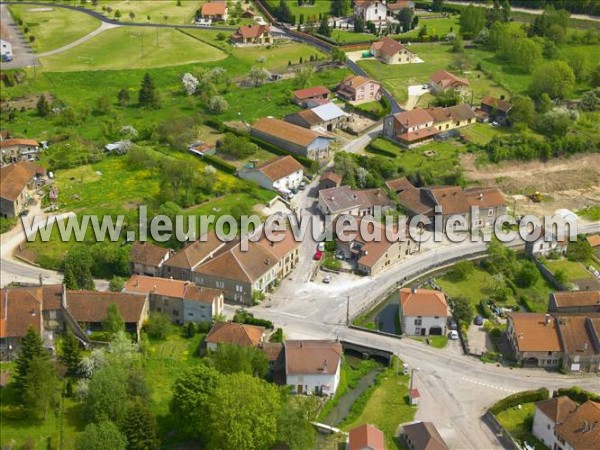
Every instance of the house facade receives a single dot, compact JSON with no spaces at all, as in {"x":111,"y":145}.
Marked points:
{"x":371,"y":10}
{"x":410,"y":128}
{"x":214,"y":10}
{"x":487,"y":204}
{"x":442,"y":81}
{"x":579,"y":339}
{"x":542,"y":242}
{"x":313,"y":367}
{"x":357,"y":89}
{"x":280,"y":174}
{"x":316,"y":93}
{"x":534,"y":339}
{"x":390,"y":51}
{"x":18,"y":180}
{"x":147,"y":259}
{"x":182,"y":301}
{"x":423,"y":312}
{"x":14,"y":150}
{"x":293,"y":138}
{"x":253,"y":35}
{"x":329,"y":180}
{"x":496,"y":109}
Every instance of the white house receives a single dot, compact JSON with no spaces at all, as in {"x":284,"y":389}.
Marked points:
{"x":548,"y":413}
{"x":542,"y":242}
{"x":5,"y":48}
{"x":371,"y":10}
{"x":279,"y":174}
{"x":313,"y":367}
{"x":423,"y":312}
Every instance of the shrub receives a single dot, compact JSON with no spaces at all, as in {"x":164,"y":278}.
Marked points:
{"x":485,"y":310}
{"x":577,"y":394}
{"x":157,"y":326}
{"x":519,"y":398}
{"x":242,"y":316}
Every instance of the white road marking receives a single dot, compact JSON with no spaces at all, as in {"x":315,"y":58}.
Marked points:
{"x":491,"y":386}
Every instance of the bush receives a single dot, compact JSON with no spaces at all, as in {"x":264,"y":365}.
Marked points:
{"x":577,"y":394}
{"x":485,"y":310}
{"x":332,"y":264}
{"x":374,"y":148}
{"x":277,"y":336}
{"x":157,"y":326}
{"x":518,"y":399}
{"x":461,"y":270}
{"x":242,"y":316}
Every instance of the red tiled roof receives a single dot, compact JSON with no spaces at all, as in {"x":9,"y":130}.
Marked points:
{"x":532,"y":334}
{"x":196,"y":252}
{"x":366,"y":436}
{"x":20,"y":308}
{"x":282,"y":248}
{"x":448,"y":79}
{"x":400,"y":4}
{"x":485,"y":197}
{"x":581,"y":428}
{"x":92,"y":306}
{"x":566,"y":299}
{"x":424,"y":436}
{"x":214,"y":8}
{"x":415,"y":136}
{"x":413,"y":118}
{"x":399,"y":184}
{"x":15,"y":177}
{"x":594,"y":240}
{"x":423,"y":302}
{"x":312,"y":357}
{"x":353,"y":82}
{"x":332,"y":176}
{"x":235,"y":333}
{"x":12,"y":142}
{"x":556,"y":409}
{"x":280,"y":167}
{"x":287,"y":131}
{"x":251,"y":31}
{"x":497,"y":103}
{"x":170,"y":288}
{"x":388,"y":46}
{"x":303,"y":94}
{"x":147,"y":253}
{"x":451,"y":198}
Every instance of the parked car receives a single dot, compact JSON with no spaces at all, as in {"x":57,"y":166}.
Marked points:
{"x":340,"y":256}
{"x":478,"y":320}
{"x":452,"y":324}
{"x":453,"y":335}
{"x":302,"y":186}
{"x":24,"y":213}
{"x":318,"y":255}
{"x":326,"y":279}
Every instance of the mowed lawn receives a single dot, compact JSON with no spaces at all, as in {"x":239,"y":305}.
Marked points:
{"x":53,"y":27}
{"x":320,"y":7}
{"x":161,"y":11}
{"x":573,"y":270}
{"x":121,"y":48}
{"x":387,"y":407}
{"x":438,"y":26}
{"x":514,"y":421}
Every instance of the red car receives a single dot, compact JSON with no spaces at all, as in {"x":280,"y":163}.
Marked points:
{"x":318,"y":255}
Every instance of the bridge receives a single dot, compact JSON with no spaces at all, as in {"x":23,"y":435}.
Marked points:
{"x":367,"y":351}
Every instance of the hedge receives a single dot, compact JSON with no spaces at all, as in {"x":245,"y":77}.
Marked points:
{"x":577,"y":394}
{"x":518,"y":399}
{"x":220,"y":164}
{"x":372,"y":148}
{"x":254,"y":321}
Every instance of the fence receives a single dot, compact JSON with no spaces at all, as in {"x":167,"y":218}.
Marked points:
{"x":506,"y":439}
{"x":549,"y":276}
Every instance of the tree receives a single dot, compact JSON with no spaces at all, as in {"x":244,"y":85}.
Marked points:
{"x":118,"y":14}
{"x":580,"y":250}
{"x":258,"y":75}
{"x":243,"y":413}
{"x":303,"y":76}
{"x":101,"y":436}
{"x":217,"y":104}
{"x":338,"y":55}
{"x":107,"y":394}
{"x":579,"y":62}
{"x":437,"y":5}
{"x":41,"y":386}
{"x":293,"y":426}
{"x":554,"y":123}
{"x":522,"y":111}
{"x":123,"y":97}
{"x":591,"y":100}
{"x":458,"y":45}
{"x":189,"y":83}
{"x":103,"y":104}
{"x":324,"y":28}
{"x":71,"y":354}
{"x":114,"y":321}
{"x":525,"y":54}
{"x":462,"y":270}
{"x":359,"y":25}
{"x":406,"y":16}
{"x":472,"y":20}
{"x":158,"y":325}
{"x":139,"y":428}
{"x":69,"y":279}
{"x":284,"y":13}
{"x":528,"y":275}
{"x":43,"y":108}
{"x":148,"y":95}
{"x":231,"y":358}
{"x":132,"y":15}
{"x":32,"y":347}
{"x":192,"y":393}
{"x":79,"y":261}
{"x":463,"y":310}
{"x":544,"y":103}
{"x":555,"y":78}
{"x":595,"y":76}
{"x":340,"y":8}
{"x":116,"y":284}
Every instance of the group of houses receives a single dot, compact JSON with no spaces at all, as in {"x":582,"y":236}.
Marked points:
{"x":567,"y":337}
{"x":561,"y":423}
{"x":414,"y":435}
{"x":212,"y":263}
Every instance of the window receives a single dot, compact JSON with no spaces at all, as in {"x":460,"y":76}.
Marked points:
{"x":239,"y":288}
{"x":220,"y":284}
{"x":418,"y":321}
{"x":490,"y":212}
{"x":159,"y":309}
{"x":548,"y":426}
{"x":175,"y":312}
{"x":52,"y":315}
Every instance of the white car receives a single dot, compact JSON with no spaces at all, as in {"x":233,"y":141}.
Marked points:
{"x":453,"y":335}
{"x":326,"y":279}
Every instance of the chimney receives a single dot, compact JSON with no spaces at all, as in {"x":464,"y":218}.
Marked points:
{"x":268,"y":261}
{"x":547,"y":319}
{"x":586,"y":345}
{"x":413,"y":290}
{"x":137,"y":281}
{"x":301,"y":344}
{"x":481,"y":196}
{"x":154,"y":288}
{"x":63,"y":300}
{"x":325,"y":367}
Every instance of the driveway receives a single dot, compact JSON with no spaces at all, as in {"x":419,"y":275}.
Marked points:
{"x":22,"y":54}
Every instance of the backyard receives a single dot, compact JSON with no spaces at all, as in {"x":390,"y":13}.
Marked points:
{"x":518,"y":421}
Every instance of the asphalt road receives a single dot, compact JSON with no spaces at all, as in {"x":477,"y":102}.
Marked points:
{"x":22,"y":54}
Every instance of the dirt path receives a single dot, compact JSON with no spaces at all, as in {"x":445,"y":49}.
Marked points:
{"x":572,"y":183}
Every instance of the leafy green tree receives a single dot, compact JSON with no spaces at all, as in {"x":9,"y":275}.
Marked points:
{"x":528,"y":275}
{"x":71,"y":353}
{"x":554,"y":123}
{"x":437,"y":5}
{"x":114,"y":321}
{"x":192,"y":393}
{"x":544,"y":103}
{"x":79,"y":261}
{"x":139,"y":427}
{"x":148,"y":96}
{"x":458,"y":45}
{"x":303,"y":76}
{"x":41,"y":386}
{"x":462,"y":270}
{"x":324,"y":28}
{"x":522,"y":111}
{"x":231,"y":358}
{"x":243,"y":413}
{"x":595,"y":76}
{"x":32,"y":347}
{"x":580,"y":250}
{"x":525,"y":54}
{"x":405,"y":16}
{"x":116,"y":284}
{"x":217,"y":104}
{"x":158,"y":326}
{"x":591,"y":100}
{"x":43,"y":108}
{"x":579,"y":62}
{"x":69,"y":279}
{"x":107,"y":395}
{"x":284,"y":12}
{"x":340,"y":8}
{"x":359,"y":25}
{"x":554,"y":78}
{"x":338,"y":55}
{"x":258,"y":75}
{"x":103,"y":104}
{"x":123,"y":97}
{"x":293,"y":426}
{"x":472,"y":20}
{"x":463,"y":310}
{"x":101,"y":436}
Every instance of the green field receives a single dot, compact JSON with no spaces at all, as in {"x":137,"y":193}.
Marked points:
{"x":573,"y":270}
{"x":437,"y":26}
{"x":161,"y":11}
{"x":320,"y":7}
{"x":121,"y":48}
{"x":387,"y":406}
{"x":590,"y":213}
{"x":55,"y":28}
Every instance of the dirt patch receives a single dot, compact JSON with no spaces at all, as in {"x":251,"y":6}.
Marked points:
{"x":27,"y":102}
{"x":358,"y":123}
{"x":572,"y":183}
